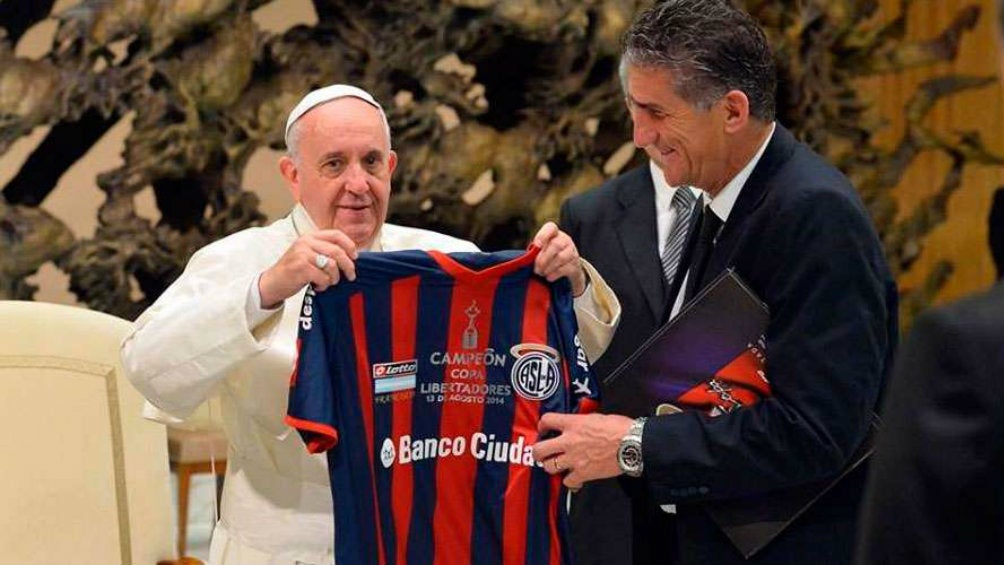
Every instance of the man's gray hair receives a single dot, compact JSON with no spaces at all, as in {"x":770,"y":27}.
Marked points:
{"x":321,"y":96}
{"x":710,"y":47}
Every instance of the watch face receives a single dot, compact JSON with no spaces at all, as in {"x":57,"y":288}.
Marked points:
{"x":629,"y":457}
{"x":632,"y":456}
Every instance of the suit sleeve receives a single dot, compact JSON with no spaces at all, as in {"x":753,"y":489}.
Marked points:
{"x":931,"y":496}
{"x":821,"y":273}
{"x":567,"y":221}
{"x":311,"y":400}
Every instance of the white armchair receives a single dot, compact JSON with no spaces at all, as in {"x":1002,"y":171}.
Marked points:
{"x":84,"y":477}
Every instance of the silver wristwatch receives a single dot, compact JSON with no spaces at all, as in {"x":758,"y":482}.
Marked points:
{"x":629,"y":453}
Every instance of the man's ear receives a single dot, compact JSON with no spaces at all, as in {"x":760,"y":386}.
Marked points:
{"x":287,"y":167}
{"x":391,"y":161}
{"x":737,"y":110}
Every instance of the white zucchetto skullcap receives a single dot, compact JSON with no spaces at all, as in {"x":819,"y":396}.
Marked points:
{"x":327,"y":94}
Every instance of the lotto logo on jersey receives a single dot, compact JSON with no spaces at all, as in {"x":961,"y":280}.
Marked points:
{"x":535,"y":374}
{"x":395,"y":376}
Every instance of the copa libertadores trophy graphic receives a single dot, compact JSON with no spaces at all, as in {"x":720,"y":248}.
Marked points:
{"x":470,"y":339}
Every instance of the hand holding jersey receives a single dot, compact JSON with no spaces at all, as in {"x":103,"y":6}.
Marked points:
{"x":318,"y":259}
{"x":559,"y":258}
{"x":321,"y":258}
{"x":585,"y":450}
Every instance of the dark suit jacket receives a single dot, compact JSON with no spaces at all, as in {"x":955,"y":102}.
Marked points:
{"x":936,"y":490}
{"x":614,"y":228}
{"x":801,"y":238}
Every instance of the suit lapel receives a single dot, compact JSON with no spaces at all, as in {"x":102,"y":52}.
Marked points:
{"x":636,"y":230}
{"x":778,"y":151}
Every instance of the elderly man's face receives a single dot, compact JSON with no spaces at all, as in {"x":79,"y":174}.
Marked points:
{"x":342,"y":171}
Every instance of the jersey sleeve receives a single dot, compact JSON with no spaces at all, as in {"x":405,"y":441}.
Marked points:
{"x":311,"y":399}
{"x":584,"y":392}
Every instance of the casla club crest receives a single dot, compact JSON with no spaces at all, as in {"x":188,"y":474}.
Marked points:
{"x":535,"y":374}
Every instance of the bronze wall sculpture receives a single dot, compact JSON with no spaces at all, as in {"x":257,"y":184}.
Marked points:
{"x":500,"y":109}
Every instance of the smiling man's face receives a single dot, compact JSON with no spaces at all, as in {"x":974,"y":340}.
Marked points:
{"x":686,"y":142}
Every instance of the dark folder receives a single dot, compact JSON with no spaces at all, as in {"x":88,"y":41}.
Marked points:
{"x":724,"y":320}
{"x":751,"y":523}
{"x":720,"y":324}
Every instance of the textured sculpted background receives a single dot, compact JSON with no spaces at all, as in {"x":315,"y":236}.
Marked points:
{"x":500,"y":109}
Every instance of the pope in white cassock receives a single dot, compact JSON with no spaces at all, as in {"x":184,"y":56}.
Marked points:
{"x":228,"y":325}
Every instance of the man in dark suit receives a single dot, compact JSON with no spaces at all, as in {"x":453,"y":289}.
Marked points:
{"x":700,"y":84}
{"x":936,"y":490}
{"x":629,"y":246}
{"x":935,"y":493}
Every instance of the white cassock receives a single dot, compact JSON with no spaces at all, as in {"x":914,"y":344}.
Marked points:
{"x":205,"y":336}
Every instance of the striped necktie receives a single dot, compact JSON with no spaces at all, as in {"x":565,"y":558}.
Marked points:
{"x":683,"y":205}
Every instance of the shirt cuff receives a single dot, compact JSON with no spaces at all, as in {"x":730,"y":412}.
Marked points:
{"x":597,"y":300}
{"x":588,"y":301}
{"x":598,"y":313}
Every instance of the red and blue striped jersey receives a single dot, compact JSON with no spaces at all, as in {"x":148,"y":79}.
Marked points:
{"x":424,"y":380}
